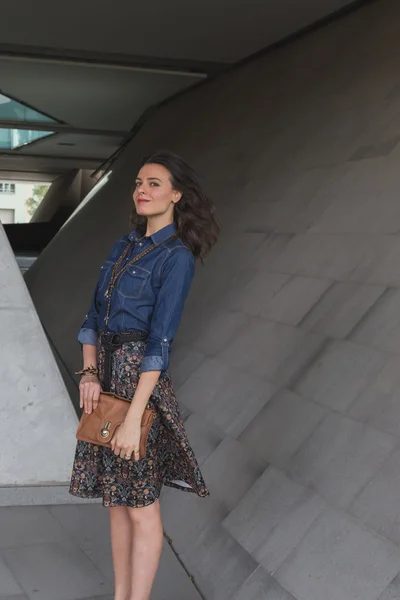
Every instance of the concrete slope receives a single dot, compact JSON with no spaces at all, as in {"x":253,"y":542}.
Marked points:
{"x":287,"y":361}
{"x":36,"y":416}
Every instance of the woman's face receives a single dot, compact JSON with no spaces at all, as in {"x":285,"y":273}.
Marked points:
{"x":154,"y":195}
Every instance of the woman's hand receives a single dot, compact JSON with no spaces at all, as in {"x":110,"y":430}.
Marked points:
{"x":89,"y":389}
{"x":126,"y":440}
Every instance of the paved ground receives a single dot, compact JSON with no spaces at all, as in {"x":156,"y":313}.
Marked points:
{"x":63,"y":553}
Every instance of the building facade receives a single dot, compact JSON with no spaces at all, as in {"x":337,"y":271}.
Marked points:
{"x":13,"y":196}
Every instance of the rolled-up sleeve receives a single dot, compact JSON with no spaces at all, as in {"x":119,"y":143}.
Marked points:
{"x":88,"y":331}
{"x":176,"y":277}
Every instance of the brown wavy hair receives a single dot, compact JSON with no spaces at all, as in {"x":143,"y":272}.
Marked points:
{"x":193,"y":214}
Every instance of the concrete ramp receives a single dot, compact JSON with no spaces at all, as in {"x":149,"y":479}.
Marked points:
{"x":36,"y":416}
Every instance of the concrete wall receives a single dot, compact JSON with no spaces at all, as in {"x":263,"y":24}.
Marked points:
{"x":288,"y":358}
{"x":64,"y":195}
{"x":36,"y":416}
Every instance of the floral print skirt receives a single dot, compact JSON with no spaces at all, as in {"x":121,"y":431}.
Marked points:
{"x":169,"y":460}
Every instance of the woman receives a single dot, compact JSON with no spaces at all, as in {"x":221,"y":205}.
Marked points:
{"x":126,"y":339}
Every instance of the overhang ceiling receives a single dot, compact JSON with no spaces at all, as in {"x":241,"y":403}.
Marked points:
{"x":96,"y":67}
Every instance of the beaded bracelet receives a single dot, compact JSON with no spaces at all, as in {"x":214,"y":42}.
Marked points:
{"x":90,"y":370}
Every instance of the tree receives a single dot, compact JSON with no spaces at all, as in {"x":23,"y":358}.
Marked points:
{"x":38,"y":193}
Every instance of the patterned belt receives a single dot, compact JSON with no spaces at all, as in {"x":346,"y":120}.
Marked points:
{"x":112,"y":341}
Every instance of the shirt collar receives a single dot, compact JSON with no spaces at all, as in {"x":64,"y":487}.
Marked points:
{"x":159,"y":236}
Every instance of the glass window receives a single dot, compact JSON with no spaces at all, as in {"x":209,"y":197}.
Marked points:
{"x":11,"y":110}
{"x":15,"y":111}
{"x":10,"y":139}
{"x":7,"y":188}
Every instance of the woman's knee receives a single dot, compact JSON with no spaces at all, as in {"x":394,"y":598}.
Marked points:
{"x":145,"y":514}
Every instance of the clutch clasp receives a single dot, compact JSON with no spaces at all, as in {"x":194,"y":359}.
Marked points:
{"x":105,"y":431}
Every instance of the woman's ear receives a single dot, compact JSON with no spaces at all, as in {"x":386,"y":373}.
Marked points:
{"x":176,"y":196}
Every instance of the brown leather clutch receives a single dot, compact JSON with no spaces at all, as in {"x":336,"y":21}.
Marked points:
{"x":100,"y":425}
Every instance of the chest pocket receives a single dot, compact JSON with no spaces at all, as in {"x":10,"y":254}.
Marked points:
{"x":105,"y":274}
{"x":132,"y":283}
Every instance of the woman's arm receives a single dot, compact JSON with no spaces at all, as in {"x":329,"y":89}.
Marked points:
{"x":176,"y":277}
{"x":89,"y":355}
{"x":145,"y":387}
{"x":89,"y":385}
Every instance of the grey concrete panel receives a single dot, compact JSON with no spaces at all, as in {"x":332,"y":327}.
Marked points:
{"x":378,"y":404}
{"x":204,"y":437}
{"x":185,"y":412}
{"x":261,"y":586}
{"x":89,"y":527}
{"x":340,"y":373}
{"x":29,"y":375}
{"x":107,"y":597}
{"x":294,"y":366}
{"x":298,"y":203}
{"x":217,"y":330}
{"x":378,"y":503}
{"x":381,"y":327}
{"x":225,"y":396}
{"x":271,"y":350}
{"x":289,"y":532}
{"x":340,"y":457}
{"x":23,"y":597}
{"x":183,"y":363}
{"x":240,"y":468}
{"x":185,"y":517}
{"x":14,"y":291}
{"x":382,"y":267}
{"x":81,"y":522}
{"x":333,"y":256}
{"x":36,"y":495}
{"x":235,"y":252}
{"x":338,"y":559}
{"x":30,"y":525}
{"x":8,"y":585}
{"x":58,"y":571}
{"x":219,"y":565}
{"x":281,"y":426}
{"x":273,"y":517}
{"x":382,"y":149}
{"x":392,"y":592}
{"x":359,"y":213}
{"x":341,"y":308}
{"x":271,"y":249}
{"x":252,"y":297}
{"x":295,"y":299}
{"x":172,"y":579}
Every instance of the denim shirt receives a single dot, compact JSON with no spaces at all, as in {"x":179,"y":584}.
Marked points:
{"x":148,"y":296}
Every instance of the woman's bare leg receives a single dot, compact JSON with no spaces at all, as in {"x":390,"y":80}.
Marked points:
{"x":146,"y":548}
{"x":121,"y":544}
